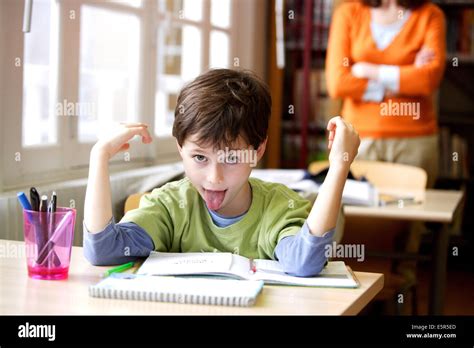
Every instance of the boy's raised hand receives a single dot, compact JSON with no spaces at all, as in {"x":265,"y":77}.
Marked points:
{"x":119,"y":139}
{"x":343,"y":142}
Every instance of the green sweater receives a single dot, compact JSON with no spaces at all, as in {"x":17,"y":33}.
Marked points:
{"x":176,"y":218}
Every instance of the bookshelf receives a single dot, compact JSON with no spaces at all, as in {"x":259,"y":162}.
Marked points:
{"x":455,"y":101}
{"x":301,"y":105}
{"x":305,"y":103}
{"x":456,"y":114}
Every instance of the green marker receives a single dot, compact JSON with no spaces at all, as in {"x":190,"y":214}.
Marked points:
{"x":120,"y":268}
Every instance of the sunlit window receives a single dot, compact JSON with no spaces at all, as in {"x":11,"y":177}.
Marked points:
{"x":134,"y":3}
{"x":219,"y":55}
{"x":182,"y":9}
{"x":106,"y":54}
{"x":39,"y":76}
{"x":220,"y":13}
{"x":180,"y":45}
{"x":109,"y":62}
{"x":179,"y":60}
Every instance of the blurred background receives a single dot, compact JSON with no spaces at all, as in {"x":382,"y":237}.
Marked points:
{"x":86,"y":64}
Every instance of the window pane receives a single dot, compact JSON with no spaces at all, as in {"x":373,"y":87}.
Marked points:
{"x":219,"y":55}
{"x":179,"y":61}
{"x":220,"y":13}
{"x":40,"y":50}
{"x":134,"y":3}
{"x":182,"y":9}
{"x":193,"y":9}
{"x":109,"y":59}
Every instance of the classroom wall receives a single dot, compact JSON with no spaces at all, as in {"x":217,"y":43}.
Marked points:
{"x":250,"y":43}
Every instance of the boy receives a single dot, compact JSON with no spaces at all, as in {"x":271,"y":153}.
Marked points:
{"x":217,"y":206}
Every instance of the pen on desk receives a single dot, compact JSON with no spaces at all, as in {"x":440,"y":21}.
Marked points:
{"x":253,"y":267}
{"x":44,"y":230}
{"x":40,"y":228}
{"x":399,"y":201}
{"x":35,"y":199}
{"x":25,"y":203}
{"x":53,"y":239}
{"x":43,"y":223}
{"x":40,"y":234}
{"x":120,"y":268}
{"x":52,"y":223}
{"x":43,"y":216}
{"x":44,"y":204}
{"x":51,"y":211}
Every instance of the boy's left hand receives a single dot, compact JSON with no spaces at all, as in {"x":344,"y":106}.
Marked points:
{"x":343,"y":142}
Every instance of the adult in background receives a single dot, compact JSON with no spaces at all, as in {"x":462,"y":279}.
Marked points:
{"x":385,"y":59}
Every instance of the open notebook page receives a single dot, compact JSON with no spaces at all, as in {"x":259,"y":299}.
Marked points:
{"x":334,"y":274}
{"x":185,"y":263}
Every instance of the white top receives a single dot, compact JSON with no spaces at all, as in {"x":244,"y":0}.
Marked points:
{"x":389,"y":75}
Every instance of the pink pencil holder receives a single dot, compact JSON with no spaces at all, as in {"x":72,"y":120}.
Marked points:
{"x":48,"y":242}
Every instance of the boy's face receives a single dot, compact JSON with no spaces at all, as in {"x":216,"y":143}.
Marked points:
{"x":221,"y":176}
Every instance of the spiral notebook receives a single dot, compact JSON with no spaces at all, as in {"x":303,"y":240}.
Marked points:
{"x":224,"y":292}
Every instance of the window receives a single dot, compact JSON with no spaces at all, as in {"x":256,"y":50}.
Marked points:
{"x":40,"y":66}
{"x":186,"y":29}
{"x":220,"y":13}
{"x":220,"y":34}
{"x":109,"y":60}
{"x":178,"y":61}
{"x":86,"y":63}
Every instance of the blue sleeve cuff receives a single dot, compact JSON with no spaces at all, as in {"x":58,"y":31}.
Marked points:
{"x":303,"y":254}
{"x":316,"y":240}
{"x":116,"y":244}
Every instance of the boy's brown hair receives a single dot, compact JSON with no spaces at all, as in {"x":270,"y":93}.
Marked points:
{"x":221,"y":105}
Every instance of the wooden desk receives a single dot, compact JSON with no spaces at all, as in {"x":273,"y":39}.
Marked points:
{"x":438,"y":206}
{"x":22,"y":295}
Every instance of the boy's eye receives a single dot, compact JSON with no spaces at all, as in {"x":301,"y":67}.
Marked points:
{"x":199,"y":158}
{"x":232,"y":159}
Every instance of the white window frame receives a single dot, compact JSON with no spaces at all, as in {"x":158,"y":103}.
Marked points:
{"x":67,"y":159}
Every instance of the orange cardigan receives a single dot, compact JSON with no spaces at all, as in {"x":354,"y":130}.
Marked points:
{"x":350,"y":41}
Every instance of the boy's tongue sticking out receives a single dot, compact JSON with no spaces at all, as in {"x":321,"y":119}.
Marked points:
{"x":214,"y":199}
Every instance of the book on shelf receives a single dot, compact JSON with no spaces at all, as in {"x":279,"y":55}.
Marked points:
{"x":228,"y":265}
{"x":460,"y":31}
{"x":453,"y":155}
{"x":322,"y":107}
{"x":295,"y":21}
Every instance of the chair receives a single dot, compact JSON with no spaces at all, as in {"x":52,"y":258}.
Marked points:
{"x":384,"y":250}
{"x":132,"y":201}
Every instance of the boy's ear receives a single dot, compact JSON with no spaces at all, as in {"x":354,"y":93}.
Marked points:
{"x":261,"y":149}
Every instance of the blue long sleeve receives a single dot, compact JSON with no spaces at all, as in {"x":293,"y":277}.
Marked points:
{"x":116,"y":244}
{"x":303,"y":254}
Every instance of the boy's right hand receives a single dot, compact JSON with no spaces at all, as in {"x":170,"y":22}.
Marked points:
{"x":118,"y":140}
{"x":343,"y":142}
